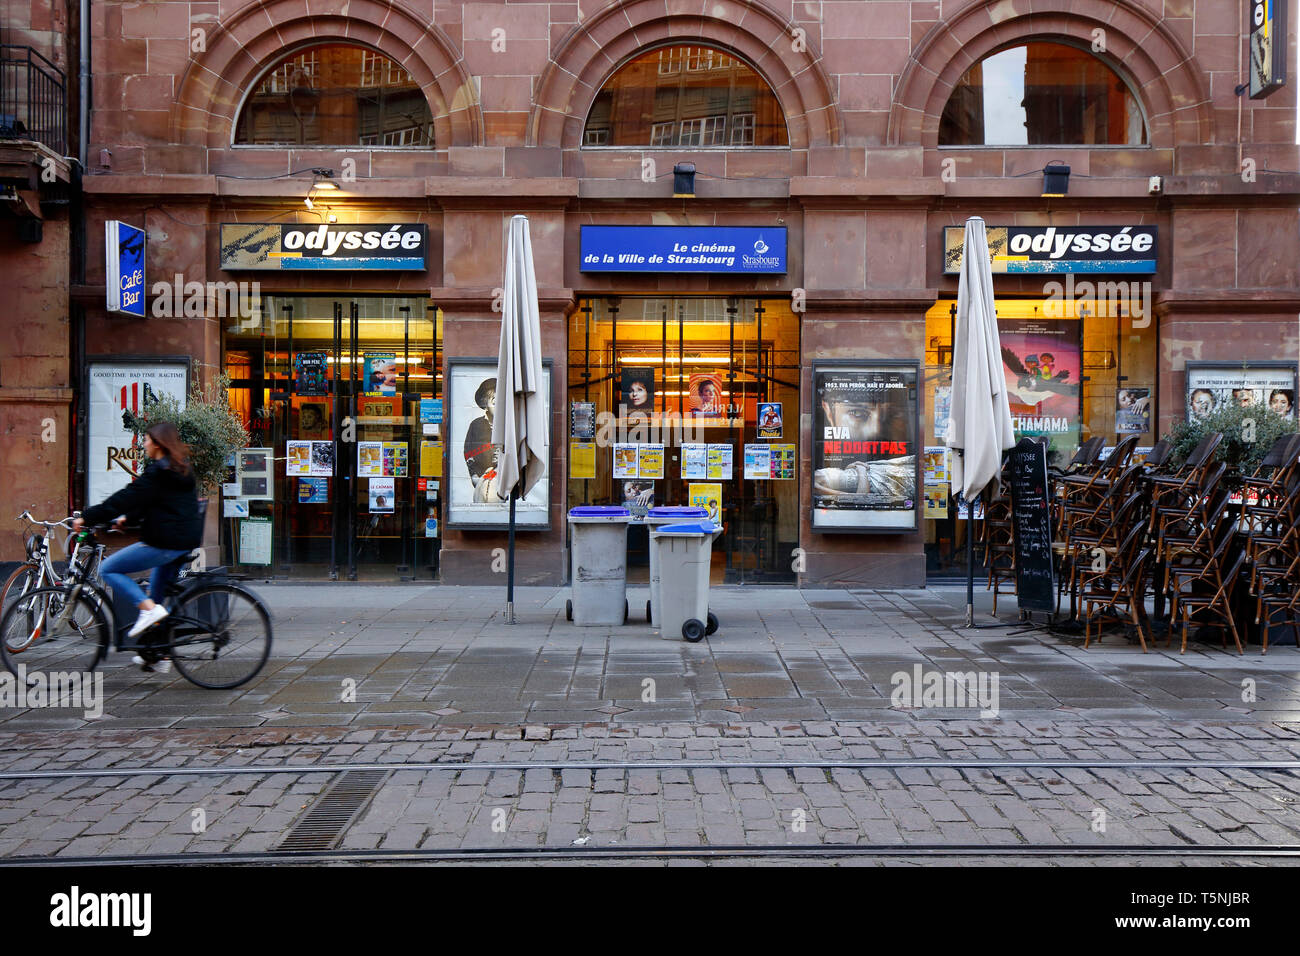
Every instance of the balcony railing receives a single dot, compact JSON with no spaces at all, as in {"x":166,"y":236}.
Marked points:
{"x":33,"y":98}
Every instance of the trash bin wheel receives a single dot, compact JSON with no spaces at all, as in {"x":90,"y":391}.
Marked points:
{"x":693,"y":630}
{"x":647,"y":612}
{"x":568,"y":610}
{"x":625,"y":610}
{"x":712,"y":625}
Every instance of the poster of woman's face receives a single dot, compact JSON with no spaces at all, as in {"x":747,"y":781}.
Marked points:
{"x":1211,"y":387}
{"x":638,"y":389}
{"x":313,"y":420}
{"x":705,"y":395}
{"x":472,"y":461}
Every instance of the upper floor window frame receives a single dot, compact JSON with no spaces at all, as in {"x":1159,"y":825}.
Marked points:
{"x":692,"y":59}
{"x":377,"y":65}
{"x":1116,"y":69}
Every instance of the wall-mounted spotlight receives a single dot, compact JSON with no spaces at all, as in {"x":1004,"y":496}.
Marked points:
{"x":1056,"y":179}
{"x":684,"y":181}
{"x":323,"y":178}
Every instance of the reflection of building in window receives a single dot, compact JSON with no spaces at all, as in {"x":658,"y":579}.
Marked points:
{"x":337,"y":94}
{"x":1042,"y":94}
{"x":685,"y":96}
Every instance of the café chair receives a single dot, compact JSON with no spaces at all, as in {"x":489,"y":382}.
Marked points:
{"x":1208,"y":591}
{"x":1118,"y":592}
{"x":1280,"y":595}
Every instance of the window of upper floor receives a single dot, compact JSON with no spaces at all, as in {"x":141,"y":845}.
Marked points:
{"x":336,"y":94}
{"x":685,"y":95}
{"x":1042,"y":94}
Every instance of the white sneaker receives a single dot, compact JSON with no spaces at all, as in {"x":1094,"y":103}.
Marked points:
{"x":147,"y":619}
{"x":163,"y":666}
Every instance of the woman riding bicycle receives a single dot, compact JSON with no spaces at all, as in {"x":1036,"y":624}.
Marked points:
{"x":165,"y":503}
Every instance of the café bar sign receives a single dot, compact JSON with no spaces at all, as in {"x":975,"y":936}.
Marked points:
{"x":1020,"y":250}
{"x":294,"y":246}
{"x":726,"y":249}
{"x":124,"y":268}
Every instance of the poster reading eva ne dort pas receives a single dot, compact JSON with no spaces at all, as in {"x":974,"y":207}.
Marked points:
{"x":865,"y":446}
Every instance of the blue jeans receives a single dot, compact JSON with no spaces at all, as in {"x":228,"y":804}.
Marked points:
{"x":141,"y":557}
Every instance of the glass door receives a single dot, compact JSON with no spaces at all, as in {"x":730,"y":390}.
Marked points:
{"x":715,"y":383}
{"x":333,"y":387}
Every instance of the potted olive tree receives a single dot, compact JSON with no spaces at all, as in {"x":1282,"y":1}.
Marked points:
{"x":207,"y":424}
{"x":1248,"y":433}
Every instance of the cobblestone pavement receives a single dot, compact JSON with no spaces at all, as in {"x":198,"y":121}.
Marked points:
{"x":379,"y":656}
{"x":471,"y":806}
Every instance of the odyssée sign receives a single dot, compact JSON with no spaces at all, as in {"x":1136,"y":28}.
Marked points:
{"x":393,"y":246}
{"x":1040,"y":249}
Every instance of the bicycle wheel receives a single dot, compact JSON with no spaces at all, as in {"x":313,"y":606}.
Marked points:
{"x":45,"y":630}
{"x":220,"y":636}
{"x":24,"y":578}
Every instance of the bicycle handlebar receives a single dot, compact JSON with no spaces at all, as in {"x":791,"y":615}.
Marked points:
{"x":27,"y":515}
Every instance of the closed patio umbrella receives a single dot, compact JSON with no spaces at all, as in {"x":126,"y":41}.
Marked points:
{"x":979,"y":425}
{"x":519,"y":427}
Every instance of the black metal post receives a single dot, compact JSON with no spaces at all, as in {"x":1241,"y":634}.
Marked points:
{"x":510,"y":559}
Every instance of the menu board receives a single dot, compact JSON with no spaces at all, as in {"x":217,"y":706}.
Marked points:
{"x":1031,"y":520}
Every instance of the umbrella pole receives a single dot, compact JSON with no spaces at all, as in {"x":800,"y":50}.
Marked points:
{"x":510,"y":560}
{"x":970,"y":564}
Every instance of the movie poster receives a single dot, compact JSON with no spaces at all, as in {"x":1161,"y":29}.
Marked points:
{"x":1212,"y":386}
{"x":382,"y":492}
{"x":638,"y":496}
{"x":311,"y":376}
{"x":707,"y":495}
{"x":313,"y":420}
{"x":1042,"y":360}
{"x":769,"y":419}
{"x":470,"y":458}
{"x":1132,"y":411}
{"x":637,"y":392}
{"x":380,"y":369}
{"x":865,"y":446}
{"x":704,"y":396}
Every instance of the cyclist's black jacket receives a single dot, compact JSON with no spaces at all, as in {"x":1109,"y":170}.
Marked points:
{"x":162,"y":501}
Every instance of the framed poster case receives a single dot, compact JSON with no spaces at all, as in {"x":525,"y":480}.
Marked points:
{"x":865,"y":447}
{"x":469,"y":463}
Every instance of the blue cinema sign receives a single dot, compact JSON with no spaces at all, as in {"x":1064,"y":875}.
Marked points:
{"x":124,"y":268}
{"x":727,"y":249}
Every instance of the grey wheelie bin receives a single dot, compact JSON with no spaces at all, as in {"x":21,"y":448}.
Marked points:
{"x":598,"y":579}
{"x":683,"y":562}
{"x":657,"y":518}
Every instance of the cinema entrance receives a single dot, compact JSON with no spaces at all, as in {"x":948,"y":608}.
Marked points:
{"x":341,"y":478}
{"x":690,"y":400}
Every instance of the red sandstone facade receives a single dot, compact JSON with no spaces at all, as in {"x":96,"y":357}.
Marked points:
{"x":861,"y":188}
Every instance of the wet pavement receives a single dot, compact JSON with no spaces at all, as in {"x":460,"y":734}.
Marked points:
{"x":383,"y":656}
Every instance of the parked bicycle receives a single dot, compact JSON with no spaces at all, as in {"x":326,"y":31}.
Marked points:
{"x":217,"y":634}
{"x":38,"y":568}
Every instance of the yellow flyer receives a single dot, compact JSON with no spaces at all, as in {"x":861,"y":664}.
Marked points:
{"x":719,"y":462}
{"x":707,"y":495}
{"x":582,"y":459}
{"x":650,"y":461}
{"x":936,"y":500}
{"x":430,"y":459}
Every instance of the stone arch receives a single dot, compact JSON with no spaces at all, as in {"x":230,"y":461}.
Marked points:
{"x":1164,"y":76}
{"x":590,"y":53}
{"x":238,"y":50}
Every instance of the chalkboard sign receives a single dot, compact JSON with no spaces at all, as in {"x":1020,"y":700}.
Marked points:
{"x":1031,"y":521}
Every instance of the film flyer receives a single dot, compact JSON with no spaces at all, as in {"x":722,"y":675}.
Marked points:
{"x":864,"y":447}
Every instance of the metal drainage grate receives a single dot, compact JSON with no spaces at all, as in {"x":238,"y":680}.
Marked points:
{"x":335,"y":809}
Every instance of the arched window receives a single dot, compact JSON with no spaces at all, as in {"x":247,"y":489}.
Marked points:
{"x":694,"y":96}
{"x":1042,"y":94}
{"x":336,"y":95}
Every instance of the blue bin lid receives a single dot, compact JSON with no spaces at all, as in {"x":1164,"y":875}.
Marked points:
{"x":599,"y":511}
{"x":689,"y":527}
{"x":677,"y":512}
